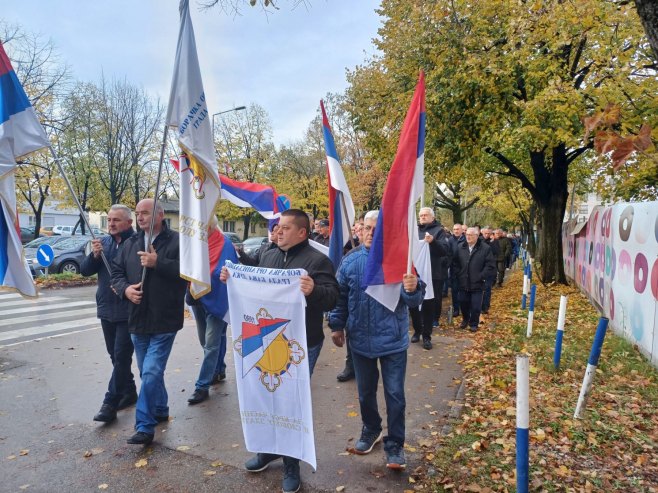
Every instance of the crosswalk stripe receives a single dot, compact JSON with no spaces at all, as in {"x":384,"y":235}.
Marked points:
{"x":9,"y":295}
{"x":47,"y":308}
{"x":51,"y":316}
{"x":46,"y":329}
{"x":38,"y":301}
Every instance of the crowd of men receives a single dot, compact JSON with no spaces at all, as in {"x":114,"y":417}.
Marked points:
{"x":141,"y":307}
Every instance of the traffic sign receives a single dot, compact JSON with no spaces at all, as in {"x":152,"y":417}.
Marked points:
{"x":45,"y":255}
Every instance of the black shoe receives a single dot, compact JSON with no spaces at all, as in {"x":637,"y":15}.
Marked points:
{"x":473,"y":329}
{"x":415,"y":338}
{"x":427,"y":344}
{"x":260,"y":461}
{"x":345,"y":375}
{"x":219,"y":377}
{"x":107,"y":414}
{"x":199,"y":395}
{"x":162,"y":419}
{"x":464,"y":324}
{"x":140,"y":438}
{"x":127,"y":400}
{"x":292,"y":480}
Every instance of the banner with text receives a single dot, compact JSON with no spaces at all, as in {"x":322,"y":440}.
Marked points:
{"x":268,"y":327}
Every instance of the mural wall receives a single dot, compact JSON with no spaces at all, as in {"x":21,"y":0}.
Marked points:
{"x":613,"y":258}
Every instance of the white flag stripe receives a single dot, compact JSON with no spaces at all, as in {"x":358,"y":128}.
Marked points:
{"x":339,"y":183}
{"x":199,"y":181}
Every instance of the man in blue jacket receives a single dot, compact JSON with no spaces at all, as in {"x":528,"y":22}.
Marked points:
{"x":375,"y":333}
{"x":113,"y":313}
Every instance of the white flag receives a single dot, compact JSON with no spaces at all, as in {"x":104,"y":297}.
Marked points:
{"x":199,"y":181}
{"x":268,"y":327}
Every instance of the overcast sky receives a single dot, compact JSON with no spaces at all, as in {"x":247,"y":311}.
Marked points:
{"x":285,"y":61}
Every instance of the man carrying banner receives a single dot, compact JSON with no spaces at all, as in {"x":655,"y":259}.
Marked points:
{"x":375,"y":334}
{"x":209,"y":311}
{"x":156,"y":311}
{"x":113,"y":313}
{"x":321,"y":291}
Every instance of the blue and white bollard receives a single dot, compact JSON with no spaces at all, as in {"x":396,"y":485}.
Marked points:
{"x":524,"y":295}
{"x":531,"y":311}
{"x":522,"y":422}
{"x":592,"y":363}
{"x":530,"y":269}
{"x":560,"y":332}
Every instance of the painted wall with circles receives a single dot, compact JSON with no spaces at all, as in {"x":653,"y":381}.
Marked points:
{"x":614,"y":260}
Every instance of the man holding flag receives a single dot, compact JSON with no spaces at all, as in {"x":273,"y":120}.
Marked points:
{"x":20,"y":134}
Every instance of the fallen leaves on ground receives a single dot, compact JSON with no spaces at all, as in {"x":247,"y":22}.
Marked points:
{"x":614,"y":447}
{"x":141,"y":463}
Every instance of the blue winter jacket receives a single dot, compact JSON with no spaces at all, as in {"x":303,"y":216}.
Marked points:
{"x":372,"y":328}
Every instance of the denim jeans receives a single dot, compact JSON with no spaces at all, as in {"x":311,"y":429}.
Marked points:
{"x":210,"y":330}
{"x":393,"y":368}
{"x":120,"y":348}
{"x":152,"y":352}
{"x":471,"y":306}
{"x":313,"y":355}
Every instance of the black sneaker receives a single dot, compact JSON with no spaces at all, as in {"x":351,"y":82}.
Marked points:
{"x":199,"y":395}
{"x":464,"y":324}
{"x":473,"y":329}
{"x":259,"y":462}
{"x":291,"y":478}
{"x":427,"y":344}
{"x":140,"y":438}
{"x":415,"y":338}
{"x":395,"y":456}
{"x":367,"y":441}
{"x":345,"y":375}
{"x":107,"y":414}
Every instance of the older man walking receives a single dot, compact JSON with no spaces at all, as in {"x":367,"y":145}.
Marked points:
{"x":476,"y":264}
{"x":376,"y":335}
{"x":113,"y":313}
{"x":156,"y":311}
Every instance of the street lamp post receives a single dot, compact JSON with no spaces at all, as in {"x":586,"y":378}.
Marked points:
{"x":239,"y":108}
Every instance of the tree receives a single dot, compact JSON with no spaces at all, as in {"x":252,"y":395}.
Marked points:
{"x":507,"y":84}
{"x":244,"y":144}
{"x":648,"y":12}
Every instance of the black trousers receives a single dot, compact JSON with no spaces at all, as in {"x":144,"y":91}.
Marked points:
{"x":471,"y":305}
{"x":423,"y":318}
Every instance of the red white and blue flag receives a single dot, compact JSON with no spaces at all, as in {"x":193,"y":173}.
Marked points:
{"x":396,"y":231}
{"x":263,"y":198}
{"x":20,"y":134}
{"x":341,"y":207}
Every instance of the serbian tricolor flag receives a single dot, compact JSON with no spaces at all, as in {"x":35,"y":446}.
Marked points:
{"x":263,"y":198}
{"x":220,"y":250}
{"x":188,"y":113}
{"x":341,"y":208}
{"x":20,"y":134}
{"x":396,"y":230}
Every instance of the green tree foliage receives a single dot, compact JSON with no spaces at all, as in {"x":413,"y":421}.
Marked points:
{"x":507,"y":85}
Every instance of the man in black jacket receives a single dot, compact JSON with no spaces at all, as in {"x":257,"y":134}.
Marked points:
{"x":113,"y":314}
{"x":476,"y":264}
{"x":430,"y":230}
{"x":321,"y":291}
{"x":156,"y":311}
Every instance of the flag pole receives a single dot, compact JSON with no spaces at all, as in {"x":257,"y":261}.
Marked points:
{"x":155,"y":197}
{"x":342,"y":202}
{"x":77,"y":203}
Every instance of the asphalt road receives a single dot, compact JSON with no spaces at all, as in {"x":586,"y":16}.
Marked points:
{"x":50,"y":388}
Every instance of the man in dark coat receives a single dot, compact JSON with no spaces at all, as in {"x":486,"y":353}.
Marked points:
{"x":321,"y":291}
{"x":455,"y":240}
{"x":430,"y":230}
{"x":476,"y":263}
{"x":156,"y":311}
{"x":504,"y":251}
{"x":113,"y":313}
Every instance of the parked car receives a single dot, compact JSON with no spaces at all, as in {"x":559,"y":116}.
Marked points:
{"x":251,"y":246}
{"x":235,"y":239}
{"x":63,"y":230}
{"x":69,"y":252}
{"x":46,"y":230}
{"x":27,"y":234}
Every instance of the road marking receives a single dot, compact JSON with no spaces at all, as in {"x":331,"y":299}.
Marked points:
{"x":45,"y":329}
{"x":48,"y":308}
{"x":47,"y":337}
{"x":36,"y":301}
{"x":40,"y":318}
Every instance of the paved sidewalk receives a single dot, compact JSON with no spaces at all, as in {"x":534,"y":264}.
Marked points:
{"x":50,"y":390}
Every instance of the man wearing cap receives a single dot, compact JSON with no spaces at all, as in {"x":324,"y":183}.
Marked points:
{"x":323,"y":233}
